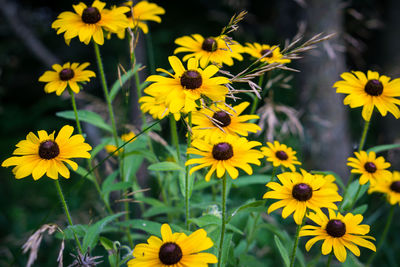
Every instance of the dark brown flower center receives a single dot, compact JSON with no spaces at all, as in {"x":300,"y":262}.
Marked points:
{"x":370,"y":167}
{"x":336,"y":228}
{"x":66,"y":74}
{"x":263,"y":52}
{"x":170,"y":253}
{"x":223,"y":118}
{"x":395,"y":186}
{"x":222,"y":151}
{"x":209,"y":44}
{"x":191,"y":79}
{"x":302,"y":192}
{"x":374,"y":88}
{"x":281,"y":155}
{"x":91,"y":15}
{"x":48,"y":149}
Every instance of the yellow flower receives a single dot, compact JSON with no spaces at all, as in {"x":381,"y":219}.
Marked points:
{"x":369,"y":166}
{"x":143,"y":11}
{"x":257,"y":50}
{"x":209,"y":50}
{"x":66,"y":75}
{"x":180,"y":91}
{"x":125,"y":138}
{"x":218,"y":120}
{"x":224,"y":154}
{"x":338,"y":232}
{"x":281,"y":155}
{"x":46,"y":154}
{"x":369,"y":91}
{"x":89,"y":22}
{"x":390,"y":186}
{"x":156,"y":108}
{"x":174,"y":250}
{"x":299,"y":192}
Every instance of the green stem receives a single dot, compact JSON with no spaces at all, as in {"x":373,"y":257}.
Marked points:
{"x":273,"y":174}
{"x":106,"y":94}
{"x":223,"y":220}
{"x":328,"y":264}
{"x":174,"y":135}
{"x":363,"y":136}
{"x":355,"y":197}
{"x":61,"y":195}
{"x":187,"y":176}
{"x":78,"y":124}
{"x":296,"y":242}
{"x":89,"y":161}
{"x":384,"y":234}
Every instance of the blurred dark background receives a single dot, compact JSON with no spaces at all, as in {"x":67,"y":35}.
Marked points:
{"x":367,"y":38}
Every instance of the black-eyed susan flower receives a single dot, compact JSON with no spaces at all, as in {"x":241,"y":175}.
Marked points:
{"x":180,"y":91}
{"x":274,"y":55}
{"x":218,"y":120}
{"x":174,"y":250}
{"x":141,"y":12}
{"x":208,"y":50}
{"x":156,"y":107}
{"x":338,"y":232}
{"x":89,"y":22}
{"x":369,"y":91}
{"x":301,"y":191}
{"x":69,"y":74}
{"x":390,"y":186}
{"x":281,"y":155}
{"x":224,"y":155}
{"x":369,"y":166}
{"x":125,"y":138}
{"x":47,"y":154}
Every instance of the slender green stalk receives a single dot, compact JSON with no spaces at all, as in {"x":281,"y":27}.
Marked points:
{"x":328,"y":264}
{"x":61,"y":195}
{"x":223,"y":220}
{"x":78,"y":124}
{"x":363,"y":136}
{"x":174,"y":135}
{"x":355,"y":197}
{"x":383,"y":236}
{"x":273,"y":174}
{"x":187,"y":176}
{"x":296,"y":242}
{"x":106,"y":94}
{"x":89,"y":161}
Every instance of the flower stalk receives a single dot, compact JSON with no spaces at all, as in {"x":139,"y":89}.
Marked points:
{"x":65,"y":206}
{"x":187,"y":175}
{"x":223,"y":219}
{"x":296,"y":242}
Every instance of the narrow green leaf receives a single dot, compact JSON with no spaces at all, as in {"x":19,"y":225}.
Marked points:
{"x":165,"y":166}
{"x":86,"y":116}
{"x":225,"y":249}
{"x":152,"y":228}
{"x":248,"y":207}
{"x":92,"y":234}
{"x":83,"y":172}
{"x":106,"y":243}
{"x":382,"y":148}
{"x":282,"y":250}
{"x":116,"y":187}
{"x":120,"y":82}
{"x":251,"y":180}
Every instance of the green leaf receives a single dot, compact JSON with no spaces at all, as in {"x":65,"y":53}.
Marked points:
{"x":120,"y":82}
{"x":86,"y":116}
{"x":93,"y":232}
{"x":251,"y":180}
{"x":381,"y":148}
{"x":116,"y":187}
{"x":248,"y":207}
{"x":82,"y":172}
{"x":225,"y":248}
{"x":152,"y":228}
{"x":282,"y":250}
{"x":106,"y":243}
{"x":360,"y":209}
{"x":165,"y":166}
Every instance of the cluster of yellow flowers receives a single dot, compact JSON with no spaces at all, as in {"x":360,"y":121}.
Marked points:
{"x":218,"y":132}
